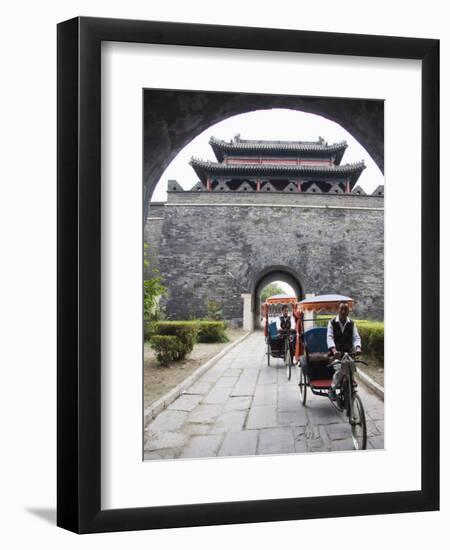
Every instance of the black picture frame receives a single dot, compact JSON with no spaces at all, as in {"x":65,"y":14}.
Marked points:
{"x":79,"y":281}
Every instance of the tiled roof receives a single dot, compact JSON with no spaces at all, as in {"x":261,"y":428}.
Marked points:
{"x":204,"y":168}
{"x":238,"y":145}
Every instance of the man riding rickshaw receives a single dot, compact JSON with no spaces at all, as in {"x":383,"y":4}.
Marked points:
{"x":279,"y":330}
{"x":326,"y":358}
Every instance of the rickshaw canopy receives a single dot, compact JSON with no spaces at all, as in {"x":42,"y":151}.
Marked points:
{"x":273,"y":304}
{"x":329,"y":302}
{"x":281,"y":299}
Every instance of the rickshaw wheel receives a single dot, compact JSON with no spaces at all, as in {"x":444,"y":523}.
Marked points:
{"x":358,"y":423}
{"x":288,"y":360}
{"x":268,"y":355}
{"x":303,"y":386}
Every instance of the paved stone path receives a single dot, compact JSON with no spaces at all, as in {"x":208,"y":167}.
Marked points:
{"x":241,"y":406}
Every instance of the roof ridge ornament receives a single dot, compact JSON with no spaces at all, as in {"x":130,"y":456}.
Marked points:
{"x":237,"y":140}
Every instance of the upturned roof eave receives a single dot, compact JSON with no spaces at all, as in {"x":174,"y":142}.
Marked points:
{"x":221,"y":147}
{"x":207,"y":168}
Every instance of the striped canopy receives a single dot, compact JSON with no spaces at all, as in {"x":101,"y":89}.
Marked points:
{"x":328,"y":302}
{"x":281,"y":299}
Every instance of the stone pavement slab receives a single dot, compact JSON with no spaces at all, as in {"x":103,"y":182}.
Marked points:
{"x":168,"y":421}
{"x":192,"y":428}
{"x":201,"y":446}
{"x":205,"y":414}
{"x":292,"y":418}
{"x":229,"y":421}
{"x":238,"y":403}
{"x":242,"y":407}
{"x":239,"y":443}
{"x":266,"y":395}
{"x":262,"y":416}
{"x":290,"y":402}
{"x":217,"y":395}
{"x":276,"y":441}
{"x":185,"y":402}
{"x":199,"y":388}
{"x":156,"y":441}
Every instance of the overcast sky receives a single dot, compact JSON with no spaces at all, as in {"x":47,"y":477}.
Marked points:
{"x":278,"y":124}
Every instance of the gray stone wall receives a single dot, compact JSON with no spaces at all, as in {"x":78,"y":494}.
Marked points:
{"x":217,"y":245}
{"x":274,"y":197}
{"x":152,"y":237}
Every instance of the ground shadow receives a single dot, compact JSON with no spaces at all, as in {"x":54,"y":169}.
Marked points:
{"x":47,"y":514}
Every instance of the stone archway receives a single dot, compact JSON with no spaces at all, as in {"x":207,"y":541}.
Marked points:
{"x":172,"y":118}
{"x":266,"y":276}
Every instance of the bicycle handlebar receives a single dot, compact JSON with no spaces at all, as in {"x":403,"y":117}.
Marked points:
{"x":339,"y":361}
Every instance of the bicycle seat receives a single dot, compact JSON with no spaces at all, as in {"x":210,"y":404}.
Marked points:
{"x":323,"y":383}
{"x":318,"y":357}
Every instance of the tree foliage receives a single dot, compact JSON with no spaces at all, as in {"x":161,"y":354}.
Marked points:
{"x":270,"y":290}
{"x":215,"y":312}
{"x":153,"y":289}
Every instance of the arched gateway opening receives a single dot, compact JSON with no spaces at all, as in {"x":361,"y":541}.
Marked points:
{"x":270,"y":275}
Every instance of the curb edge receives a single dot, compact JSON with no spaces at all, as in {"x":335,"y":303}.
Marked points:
{"x":163,"y":402}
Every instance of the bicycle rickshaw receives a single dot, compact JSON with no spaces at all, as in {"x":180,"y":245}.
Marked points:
{"x":317,"y":367}
{"x":280,"y":343}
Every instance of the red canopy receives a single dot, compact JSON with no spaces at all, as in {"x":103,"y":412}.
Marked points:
{"x":329,"y":302}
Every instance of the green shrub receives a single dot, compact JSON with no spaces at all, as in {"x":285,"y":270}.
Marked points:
{"x":149,"y":329}
{"x":322,"y":321}
{"x":167,"y":348}
{"x":211,"y":331}
{"x":371,"y":332}
{"x":185,"y":331}
{"x":215,"y":312}
{"x":372,"y":337}
{"x":153,"y":289}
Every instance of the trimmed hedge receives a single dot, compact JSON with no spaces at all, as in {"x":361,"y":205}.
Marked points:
{"x":371,"y":332}
{"x":211,"y":331}
{"x":149,"y":329}
{"x":185,"y":331}
{"x":167,"y":348}
{"x":372,"y":337}
{"x":173,"y":340}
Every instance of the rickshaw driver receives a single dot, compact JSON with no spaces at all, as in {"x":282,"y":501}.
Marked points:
{"x":342,"y":336}
{"x":285,"y":325}
{"x":285,"y":319}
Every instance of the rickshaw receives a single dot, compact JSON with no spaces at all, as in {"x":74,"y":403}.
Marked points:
{"x":280,"y":343}
{"x":317,"y":366}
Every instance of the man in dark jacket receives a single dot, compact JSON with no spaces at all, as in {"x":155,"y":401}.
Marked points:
{"x":285,"y":319}
{"x":287,"y":326}
{"x":342,"y":336}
